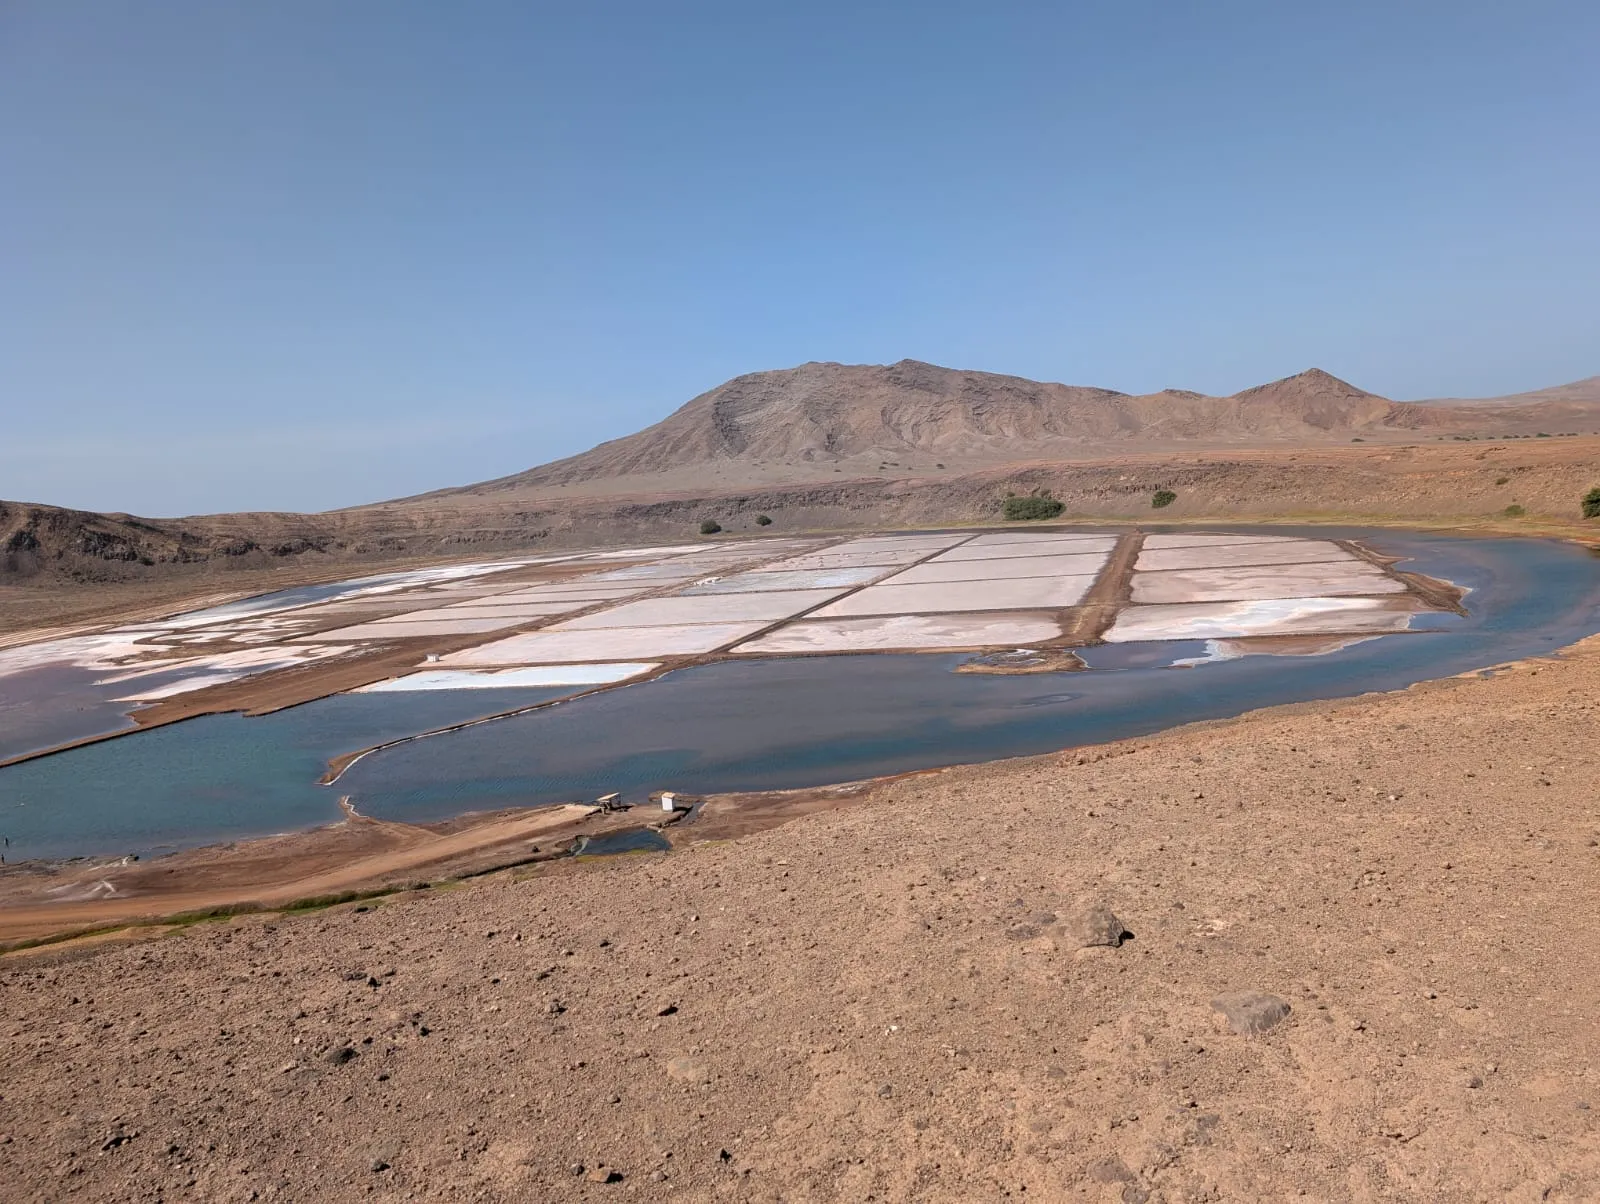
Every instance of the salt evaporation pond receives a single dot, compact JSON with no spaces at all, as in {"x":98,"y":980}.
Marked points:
{"x":744,"y":725}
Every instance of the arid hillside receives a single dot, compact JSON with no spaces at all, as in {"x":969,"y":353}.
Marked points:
{"x":823,"y":415}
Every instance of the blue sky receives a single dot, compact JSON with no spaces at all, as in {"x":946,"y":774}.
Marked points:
{"x":300,"y":255}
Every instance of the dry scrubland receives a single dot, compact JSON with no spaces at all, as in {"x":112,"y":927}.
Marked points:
{"x":888,"y":1001}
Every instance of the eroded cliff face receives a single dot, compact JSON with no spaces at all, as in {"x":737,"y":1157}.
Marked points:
{"x":48,"y":541}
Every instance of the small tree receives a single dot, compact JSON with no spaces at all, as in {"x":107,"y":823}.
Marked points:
{"x":763,"y":521}
{"x":710,"y":526}
{"x":1162,"y":498}
{"x":1513,"y":511}
{"x":1030,"y":507}
{"x":1591,"y":503}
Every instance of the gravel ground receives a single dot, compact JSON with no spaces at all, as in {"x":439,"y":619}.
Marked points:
{"x":892,"y":1002}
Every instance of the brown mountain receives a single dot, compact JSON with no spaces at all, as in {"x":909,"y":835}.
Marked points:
{"x":824,"y":414}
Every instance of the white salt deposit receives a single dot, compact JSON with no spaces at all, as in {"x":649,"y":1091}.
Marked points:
{"x":1028,"y":593}
{"x":612,"y":644}
{"x":1086,"y":564}
{"x":703,"y":608}
{"x":1340,"y":579}
{"x":1287,"y":551}
{"x":500,"y":679}
{"x":905,"y":632}
{"x":1279,"y":616}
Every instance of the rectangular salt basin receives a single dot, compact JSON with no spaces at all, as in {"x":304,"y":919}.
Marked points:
{"x":951,"y":596}
{"x":763,"y":582}
{"x":573,"y":589}
{"x":1286,"y":551}
{"x":384,"y":629}
{"x":906,"y":632}
{"x":704,"y":608}
{"x":1010,"y":568}
{"x":878,"y":543}
{"x":672,"y":570}
{"x":977,"y":551}
{"x":612,"y":644}
{"x":887,"y":557}
{"x":1003,"y":537}
{"x":524,"y":610}
{"x":499,"y":679}
{"x":677,"y":549}
{"x":1257,"y":582}
{"x":1205,"y":541}
{"x":1283,"y":616}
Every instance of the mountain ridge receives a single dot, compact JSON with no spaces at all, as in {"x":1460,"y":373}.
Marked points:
{"x":824,"y":413}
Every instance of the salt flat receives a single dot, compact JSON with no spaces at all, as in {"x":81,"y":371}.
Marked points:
{"x":394,"y":628}
{"x":1179,"y":540}
{"x":1001,"y":551}
{"x":905,"y":632}
{"x":1003,"y":537}
{"x":1265,"y":581}
{"x":499,"y":679}
{"x":844,"y":560}
{"x":474,"y":610}
{"x":608,"y":644}
{"x":759,"y":582}
{"x":952,"y":596}
{"x":1288,"y":551}
{"x":574,"y":588}
{"x":1235,"y":620}
{"x":1082,"y":564}
{"x":701,"y":608}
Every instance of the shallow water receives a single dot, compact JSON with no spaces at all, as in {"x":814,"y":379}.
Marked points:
{"x":217,"y":777}
{"x":750,"y":724}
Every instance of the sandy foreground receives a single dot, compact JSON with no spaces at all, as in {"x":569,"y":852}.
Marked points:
{"x":889,"y":1001}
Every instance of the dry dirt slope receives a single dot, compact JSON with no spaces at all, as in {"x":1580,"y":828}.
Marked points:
{"x":887,"y":1003}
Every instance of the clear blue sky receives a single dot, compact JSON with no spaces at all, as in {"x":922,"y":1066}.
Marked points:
{"x":302,"y":254}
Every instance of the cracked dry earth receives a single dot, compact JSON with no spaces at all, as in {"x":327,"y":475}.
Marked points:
{"x":887,"y":1002}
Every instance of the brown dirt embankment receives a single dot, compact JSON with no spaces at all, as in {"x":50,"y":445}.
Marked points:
{"x":886,"y":1000}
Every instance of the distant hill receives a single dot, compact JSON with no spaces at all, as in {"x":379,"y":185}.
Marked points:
{"x":823,"y":413}
{"x":1583,"y":395}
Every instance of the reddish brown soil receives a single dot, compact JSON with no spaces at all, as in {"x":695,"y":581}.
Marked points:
{"x":885,"y":1001}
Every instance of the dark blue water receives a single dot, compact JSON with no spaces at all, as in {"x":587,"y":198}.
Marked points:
{"x":745,"y":724}
{"x":218,"y":777}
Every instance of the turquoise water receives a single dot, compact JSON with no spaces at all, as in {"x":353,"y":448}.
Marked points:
{"x":747,"y":724}
{"x":218,"y":777}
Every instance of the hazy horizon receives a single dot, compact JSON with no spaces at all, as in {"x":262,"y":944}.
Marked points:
{"x":294,"y":257}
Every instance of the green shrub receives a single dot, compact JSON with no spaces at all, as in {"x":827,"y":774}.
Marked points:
{"x":1031,"y":506}
{"x":1513,"y":511}
{"x":1502,"y":480}
{"x":710,"y":526}
{"x":763,"y":521}
{"x":1162,"y":498}
{"x":1591,"y":503}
